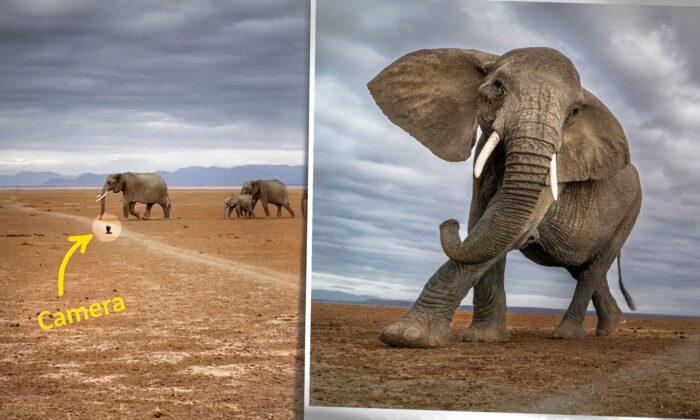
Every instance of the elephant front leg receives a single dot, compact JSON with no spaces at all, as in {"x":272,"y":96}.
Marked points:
{"x":489,"y":319}
{"x":427,"y":323}
{"x":267,"y":210}
{"x":132,"y":210}
{"x":126,"y":209}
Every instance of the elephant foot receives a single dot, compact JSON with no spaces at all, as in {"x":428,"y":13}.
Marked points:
{"x":568,"y":330}
{"x":485,"y":333}
{"x":417,"y":329}
{"x":608,"y":325}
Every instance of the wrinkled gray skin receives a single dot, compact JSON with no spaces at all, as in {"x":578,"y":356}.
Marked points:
{"x":269,"y":191}
{"x":534,"y":100}
{"x":146,"y":188}
{"x":304,"y":202}
{"x":243,"y":204}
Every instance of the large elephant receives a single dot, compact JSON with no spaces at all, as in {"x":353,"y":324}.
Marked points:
{"x":552,"y":178}
{"x":241,"y":203}
{"x":304,"y":202}
{"x":269,"y":191}
{"x":146,"y":188}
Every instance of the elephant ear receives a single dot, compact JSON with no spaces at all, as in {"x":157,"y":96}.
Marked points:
{"x":431,"y":94}
{"x":594,"y":146}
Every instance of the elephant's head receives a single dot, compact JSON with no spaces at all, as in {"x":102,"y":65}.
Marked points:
{"x":115,"y":183}
{"x":231,"y":201}
{"x":538,"y":119}
{"x":230,"y":204}
{"x":251,"y":188}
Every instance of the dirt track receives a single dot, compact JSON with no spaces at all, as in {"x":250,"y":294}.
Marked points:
{"x":213,"y":326}
{"x":649,"y":368}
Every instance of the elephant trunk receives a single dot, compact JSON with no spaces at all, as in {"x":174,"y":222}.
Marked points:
{"x":101,"y":199}
{"x":512,"y":216}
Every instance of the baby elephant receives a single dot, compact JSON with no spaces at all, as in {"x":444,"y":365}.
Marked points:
{"x":242,"y":203}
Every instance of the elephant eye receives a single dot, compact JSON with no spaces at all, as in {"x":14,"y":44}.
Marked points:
{"x":574,"y":111}
{"x":498,"y":84}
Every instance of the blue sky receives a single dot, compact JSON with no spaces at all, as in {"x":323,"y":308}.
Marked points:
{"x":379,"y":196}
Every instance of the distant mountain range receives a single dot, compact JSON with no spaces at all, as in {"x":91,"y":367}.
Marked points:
{"x":333,"y":296}
{"x":183,"y":177}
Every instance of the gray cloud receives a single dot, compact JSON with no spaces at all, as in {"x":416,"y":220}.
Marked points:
{"x":86,"y":76}
{"x":379,"y":196}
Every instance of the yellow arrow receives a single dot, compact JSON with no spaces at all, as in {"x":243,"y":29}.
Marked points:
{"x":80,"y":241}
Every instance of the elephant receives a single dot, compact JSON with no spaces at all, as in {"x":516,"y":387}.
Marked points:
{"x":552,"y":178}
{"x":241,"y":203}
{"x":269,"y":191}
{"x":149,"y":188}
{"x":304,"y":202}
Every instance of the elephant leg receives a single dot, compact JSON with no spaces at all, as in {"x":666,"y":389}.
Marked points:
{"x":132,"y":210}
{"x":609,"y":314}
{"x":289,"y":209}
{"x":588,"y":280}
{"x":147,"y":214}
{"x":126,"y":209}
{"x":592,"y":282}
{"x":279,"y":210}
{"x":267,"y":210}
{"x":166,"y":209}
{"x":427,"y":323}
{"x":489,"y":319}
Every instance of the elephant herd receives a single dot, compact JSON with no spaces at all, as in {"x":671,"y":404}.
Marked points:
{"x":271,"y":191}
{"x":150,"y":188}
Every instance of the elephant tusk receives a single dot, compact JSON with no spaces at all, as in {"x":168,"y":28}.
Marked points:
{"x":553,"y":177}
{"x":100,"y":197}
{"x":485,"y":153}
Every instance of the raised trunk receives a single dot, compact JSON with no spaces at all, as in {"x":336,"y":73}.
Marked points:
{"x":512,"y":216}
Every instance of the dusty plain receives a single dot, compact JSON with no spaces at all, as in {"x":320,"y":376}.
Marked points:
{"x":649,"y":368}
{"x":213,"y":325}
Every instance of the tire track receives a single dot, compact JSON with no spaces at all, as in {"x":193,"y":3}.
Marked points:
{"x":641,"y":373}
{"x":264,"y":275}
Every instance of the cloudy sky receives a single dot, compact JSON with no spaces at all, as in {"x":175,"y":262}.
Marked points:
{"x":154,"y":85}
{"x":379,"y":196}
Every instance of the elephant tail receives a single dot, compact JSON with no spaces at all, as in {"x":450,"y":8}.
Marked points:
{"x":627,"y":296}
{"x":169,"y":207}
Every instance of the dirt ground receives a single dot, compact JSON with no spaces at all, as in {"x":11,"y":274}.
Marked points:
{"x":649,"y":368}
{"x":213,"y":324}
